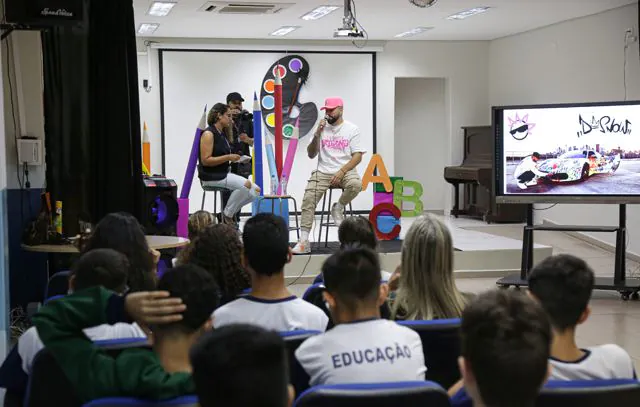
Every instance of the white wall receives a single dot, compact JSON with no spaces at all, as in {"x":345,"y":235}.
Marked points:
{"x":421,"y":131}
{"x":25,"y":53}
{"x":576,"y":61}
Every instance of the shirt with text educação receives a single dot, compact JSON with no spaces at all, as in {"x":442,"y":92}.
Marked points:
{"x":363,"y":352}
{"x":337,"y":145}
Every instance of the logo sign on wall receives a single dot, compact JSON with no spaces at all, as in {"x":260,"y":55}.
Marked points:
{"x":294,"y":71}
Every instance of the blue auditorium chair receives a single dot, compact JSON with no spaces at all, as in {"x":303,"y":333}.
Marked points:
{"x":590,"y":393}
{"x":405,"y":394}
{"x":184,"y":401}
{"x":58,"y":284}
{"x":441,"y":347}
{"x":48,"y":385}
{"x":298,"y":376}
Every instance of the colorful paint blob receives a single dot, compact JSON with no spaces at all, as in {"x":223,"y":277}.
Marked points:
{"x":271,"y":120}
{"x":283,"y":71}
{"x":269,"y":86}
{"x":287,"y":131}
{"x":295,"y":65}
{"x":268,"y":102}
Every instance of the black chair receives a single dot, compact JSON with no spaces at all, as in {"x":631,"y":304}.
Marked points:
{"x":57,"y":285}
{"x":184,"y":401}
{"x":48,"y":385}
{"x":590,"y":393}
{"x":441,"y":347}
{"x":298,"y":376}
{"x":404,"y":394}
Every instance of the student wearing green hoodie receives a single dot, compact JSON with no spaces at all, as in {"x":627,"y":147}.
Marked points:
{"x":178,"y":314}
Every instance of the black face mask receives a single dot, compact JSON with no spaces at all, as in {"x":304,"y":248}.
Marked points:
{"x":331,"y":120}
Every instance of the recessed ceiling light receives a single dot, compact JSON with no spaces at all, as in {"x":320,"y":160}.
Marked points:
{"x":468,"y":13}
{"x":148,"y":28}
{"x":319,"y":12}
{"x":160,"y":8}
{"x":284,"y":30}
{"x":414,"y":31}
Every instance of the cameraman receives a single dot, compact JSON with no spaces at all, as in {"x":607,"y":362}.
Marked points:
{"x":242,"y":138}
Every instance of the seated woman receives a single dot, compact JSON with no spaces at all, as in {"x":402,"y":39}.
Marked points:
{"x":123,"y":233}
{"x":218,"y":250}
{"x":424,"y":281}
{"x":215,"y":160}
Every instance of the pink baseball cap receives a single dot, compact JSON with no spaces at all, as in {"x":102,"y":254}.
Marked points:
{"x":332,"y":103}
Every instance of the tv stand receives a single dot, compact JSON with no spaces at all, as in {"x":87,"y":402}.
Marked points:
{"x":627,"y":287}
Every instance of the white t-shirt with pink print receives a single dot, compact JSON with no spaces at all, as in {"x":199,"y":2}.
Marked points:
{"x":337,"y":145}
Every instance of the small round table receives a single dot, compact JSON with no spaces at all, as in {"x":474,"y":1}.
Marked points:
{"x":155,"y":242}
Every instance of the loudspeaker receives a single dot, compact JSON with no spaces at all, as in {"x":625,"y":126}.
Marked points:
{"x":160,"y":213}
{"x":44,"y":13}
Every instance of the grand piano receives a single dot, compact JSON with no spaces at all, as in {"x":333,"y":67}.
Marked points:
{"x":476,"y":175}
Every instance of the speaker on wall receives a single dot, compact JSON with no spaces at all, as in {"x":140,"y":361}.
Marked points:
{"x":44,"y":13}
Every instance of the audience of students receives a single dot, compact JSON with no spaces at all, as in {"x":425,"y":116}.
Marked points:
{"x":425,"y":285}
{"x":198,"y":222}
{"x":563,"y":285}
{"x":218,"y":250}
{"x":97,"y":268}
{"x":241,"y":365}
{"x":270,"y":304}
{"x":362,"y":347}
{"x":178,"y":313}
{"x":505,"y":346}
{"x":122,"y":232}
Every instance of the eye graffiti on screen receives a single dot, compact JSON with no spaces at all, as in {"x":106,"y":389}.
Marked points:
{"x":605,"y":124}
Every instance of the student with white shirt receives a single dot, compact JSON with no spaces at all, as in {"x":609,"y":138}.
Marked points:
{"x":99,"y":267}
{"x":563,"y":285}
{"x":362,"y":347}
{"x":337,"y":144}
{"x":270,"y":305}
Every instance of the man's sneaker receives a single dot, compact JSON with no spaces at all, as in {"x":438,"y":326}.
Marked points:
{"x":301,"y":247}
{"x":337,"y":214}
{"x":522,"y":185}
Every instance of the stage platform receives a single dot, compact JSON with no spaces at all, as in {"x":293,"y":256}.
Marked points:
{"x":477,"y":254}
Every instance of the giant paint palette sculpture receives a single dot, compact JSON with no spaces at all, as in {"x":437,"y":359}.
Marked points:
{"x":294,"y":72}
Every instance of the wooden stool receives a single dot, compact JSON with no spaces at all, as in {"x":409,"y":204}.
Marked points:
{"x":273,"y":199}
{"x":322,"y":213}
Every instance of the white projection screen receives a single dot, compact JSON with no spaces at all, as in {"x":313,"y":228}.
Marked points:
{"x":191,"y":79}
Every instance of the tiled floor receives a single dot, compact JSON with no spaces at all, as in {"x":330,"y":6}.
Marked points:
{"x":612,"y":320}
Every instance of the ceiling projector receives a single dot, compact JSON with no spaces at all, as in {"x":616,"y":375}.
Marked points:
{"x":423,"y":3}
{"x":348,"y":32}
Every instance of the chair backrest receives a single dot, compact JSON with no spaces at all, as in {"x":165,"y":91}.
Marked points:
{"x":405,"y":394}
{"x":441,"y":347}
{"x":590,"y":393}
{"x":184,"y":401}
{"x":298,"y":376}
{"x":58,"y":284}
{"x":48,"y":385}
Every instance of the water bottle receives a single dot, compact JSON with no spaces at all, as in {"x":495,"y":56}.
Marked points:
{"x":274,"y":186}
{"x":283,"y":186}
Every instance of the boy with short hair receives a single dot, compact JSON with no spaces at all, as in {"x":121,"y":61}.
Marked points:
{"x":241,"y":365}
{"x":179,"y":313}
{"x":270,"y":305}
{"x":505,"y":347}
{"x":563,"y":284}
{"x":362,"y":347}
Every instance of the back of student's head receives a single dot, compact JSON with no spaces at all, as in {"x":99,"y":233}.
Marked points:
{"x":241,"y":365}
{"x":506,"y":341}
{"x":122,"y":232}
{"x":563,"y":285}
{"x":427,"y":288}
{"x":100,"y":267}
{"x":198,"y":221}
{"x":352,"y":276}
{"x":266,"y":243}
{"x":357,"y":230}
{"x":199,"y":293}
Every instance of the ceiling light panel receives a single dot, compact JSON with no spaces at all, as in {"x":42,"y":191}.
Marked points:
{"x":147,"y":28}
{"x":468,"y":13}
{"x":160,"y":8}
{"x":319,"y":12}
{"x":413,"y":32}
{"x":282,"y":31}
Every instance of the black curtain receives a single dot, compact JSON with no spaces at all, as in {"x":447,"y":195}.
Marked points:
{"x":92,"y":114}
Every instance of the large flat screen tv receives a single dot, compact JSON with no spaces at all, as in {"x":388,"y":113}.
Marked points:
{"x":573,"y":153}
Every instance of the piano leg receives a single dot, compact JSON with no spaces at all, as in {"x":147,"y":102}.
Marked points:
{"x":456,"y":208}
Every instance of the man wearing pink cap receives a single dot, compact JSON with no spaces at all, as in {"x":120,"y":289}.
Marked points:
{"x":337,"y":144}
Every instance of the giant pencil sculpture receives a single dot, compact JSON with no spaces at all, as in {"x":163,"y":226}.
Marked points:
{"x":257,"y":144}
{"x":183,"y":201}
{"x":278,"y":122}
{"x":288,"y":162}
{"x":146,"y":148}
{"x":272,"y":164}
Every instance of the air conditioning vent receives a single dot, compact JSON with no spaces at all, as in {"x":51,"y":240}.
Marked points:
{"x":243,"y":8}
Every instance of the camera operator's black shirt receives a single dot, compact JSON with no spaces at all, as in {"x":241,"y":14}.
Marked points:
{"x":241,"y":124}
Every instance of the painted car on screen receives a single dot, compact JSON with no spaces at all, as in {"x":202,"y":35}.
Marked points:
{"x":577,"y":165}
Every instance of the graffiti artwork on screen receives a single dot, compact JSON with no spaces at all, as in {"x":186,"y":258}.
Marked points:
{"x":573,"y":151}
